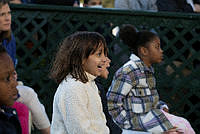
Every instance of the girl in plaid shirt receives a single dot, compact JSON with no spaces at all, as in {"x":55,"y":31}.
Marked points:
{"x":133,"y":100}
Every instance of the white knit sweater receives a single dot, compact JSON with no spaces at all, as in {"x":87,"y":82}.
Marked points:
{"x":77,"y":108}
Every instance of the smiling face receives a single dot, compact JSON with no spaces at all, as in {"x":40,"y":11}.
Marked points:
{"x":105,"y":71}
{"x":8,"y":83}
{"x":95,"y":62}
{"x":5,"y":18}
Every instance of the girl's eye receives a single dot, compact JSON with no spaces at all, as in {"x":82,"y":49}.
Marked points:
{"x":2,"y":14}
{"x":99,"y":53}
{"x":9,"y":13}
{"x":157,"y":47}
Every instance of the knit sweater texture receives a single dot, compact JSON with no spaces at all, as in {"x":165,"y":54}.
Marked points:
{"x":77,"y":108}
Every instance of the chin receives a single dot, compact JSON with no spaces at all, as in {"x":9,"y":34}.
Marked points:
{"x":7,"y":29}
{"x":159,"y":61}
{"x":96,"y":74}
{"x":10,"y":104}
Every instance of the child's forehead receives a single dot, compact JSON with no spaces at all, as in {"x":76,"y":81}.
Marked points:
{"x":156,"y":40}
{"x":4,"y":7}
{"x":6,"y":64}
{"x":100,"y":47}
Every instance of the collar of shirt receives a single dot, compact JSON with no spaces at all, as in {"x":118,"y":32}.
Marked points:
{"x":7,"y":112}
{"x":90,"y":76}
{"x":140,"y":64}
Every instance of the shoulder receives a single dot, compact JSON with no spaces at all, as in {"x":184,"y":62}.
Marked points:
{"x":70,"y":92}
{"x":12,"y":40}
{"x":71,"y":83}
{"x":127,"y":68}
{"x":25,"y":90}
{"x":26,"y":93}
{"x":71,"y":87}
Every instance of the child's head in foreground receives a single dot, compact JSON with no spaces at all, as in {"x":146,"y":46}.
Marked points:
{"x":8,"y":83}
{"x":79,"y":53}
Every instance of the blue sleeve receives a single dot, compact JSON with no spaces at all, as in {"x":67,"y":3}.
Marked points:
{"x":11,"y":48}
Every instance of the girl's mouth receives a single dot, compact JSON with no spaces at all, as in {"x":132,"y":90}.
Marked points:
{"x":99,"y":66}
{"x":16,"y":96}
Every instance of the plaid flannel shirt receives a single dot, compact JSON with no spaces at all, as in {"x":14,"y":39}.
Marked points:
{"x":133,"y":99}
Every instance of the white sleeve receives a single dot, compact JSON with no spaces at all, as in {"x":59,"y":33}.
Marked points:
{"x":29,"y":97}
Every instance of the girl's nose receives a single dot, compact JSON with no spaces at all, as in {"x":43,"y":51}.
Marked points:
{"x":14,"y":83}
{"x":161,"y":50}
{"x":108,"y":60}
{"x":8,"y":16}
{"x":13,"y":79}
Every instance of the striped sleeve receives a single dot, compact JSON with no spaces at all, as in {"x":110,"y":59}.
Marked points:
{"x":120,"y":87}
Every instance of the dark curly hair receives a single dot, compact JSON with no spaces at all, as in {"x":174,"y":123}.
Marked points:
{"x":72,"y":51}
{"x":133,"y":39}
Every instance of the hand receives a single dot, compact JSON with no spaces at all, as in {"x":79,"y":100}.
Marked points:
{"x":165,"y":109}
{"x":174,"y":130}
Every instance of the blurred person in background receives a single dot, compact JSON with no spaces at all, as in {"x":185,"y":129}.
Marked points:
{"x":145,"y":5}
{"x":74,"y":3}
{"x":108,"y":3}
{"x":187,"y":6}
{"x":93,"y":3}
{"x":7,"y":40}
{"x":21,"y":1}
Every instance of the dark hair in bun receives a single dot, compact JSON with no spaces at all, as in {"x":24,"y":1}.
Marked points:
{"x":133,"y":39}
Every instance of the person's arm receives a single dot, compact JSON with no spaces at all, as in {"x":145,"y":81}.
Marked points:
{"x":120,"y":87}
{"x":163,"y":106}
{"x":13,"y":44}
{"x":39,"y":117}
{"x":45,"y":130}
{"x":11,"y":48}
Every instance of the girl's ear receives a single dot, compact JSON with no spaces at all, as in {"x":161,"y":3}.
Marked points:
{"x":83,"y":61}
{"x":144,"y":51}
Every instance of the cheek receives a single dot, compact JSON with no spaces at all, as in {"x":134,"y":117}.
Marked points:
{"x":4,"y":94}
{"x":10,"y":18}
{"x":88,"y":66}
{"x":1,"y":25}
